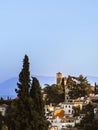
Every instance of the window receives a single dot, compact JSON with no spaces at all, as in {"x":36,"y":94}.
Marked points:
{"x":69,"y":111}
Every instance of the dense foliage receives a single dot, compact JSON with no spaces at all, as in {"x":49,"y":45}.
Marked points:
{"x":26,"y":112}
{"x":96,"y":89}
{"x":54,"y":94}
{"x":23,"y":104}
{"x":35,"y":92}
{"x":90,"y":121}
{"x":78,"y":86}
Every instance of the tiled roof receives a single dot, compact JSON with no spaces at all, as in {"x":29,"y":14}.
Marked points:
{"x":4,"y":105}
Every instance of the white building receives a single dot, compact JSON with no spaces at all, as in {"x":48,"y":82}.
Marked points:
{"x":68,"y":108}
{"x":62,"y":115}
{"x":65,"y":122}
{"x":3,"y":109}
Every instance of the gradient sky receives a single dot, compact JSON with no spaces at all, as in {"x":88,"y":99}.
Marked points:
{"x":57,"y":35}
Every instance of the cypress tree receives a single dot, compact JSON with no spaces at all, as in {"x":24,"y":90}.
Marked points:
{"x":28,"y":108}
{"x":24,"y":80}
{"x":36,"y":94}
{"x":23,"y":103}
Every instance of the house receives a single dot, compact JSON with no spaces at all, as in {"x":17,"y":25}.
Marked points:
{"x":68,"y":108}
{"x":3,"y":108}
{"x":79,"y":118}
{"x":95,"y":110}
{"x":52,"y":127}
{"x":62,"y":122}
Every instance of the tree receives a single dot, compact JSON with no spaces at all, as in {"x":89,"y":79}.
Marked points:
{"x":23,"y":103}
{"x":78,"y":86}
{"x":85,"y":87}
{"x":89,"y":116}
{"x":72,"y":86}
{"x":26,"y":112}
{"x":77,"y":110}
{"x":54,"y":93}
{"x":63,"y":88}
{"x":95,"y":124}
{"x":24,"y":80}
{"x":89,"y":122}
{"x":96,"y":88}
{"x":10,"y":116}
{"x":36,"y":94}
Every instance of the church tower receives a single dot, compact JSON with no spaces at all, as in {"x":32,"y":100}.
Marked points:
{"x":58,"y":78}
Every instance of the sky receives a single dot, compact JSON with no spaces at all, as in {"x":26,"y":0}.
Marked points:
{"x":57,"y":36}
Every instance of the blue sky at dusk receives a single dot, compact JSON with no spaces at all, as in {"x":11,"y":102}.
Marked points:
{"x":57,"y":35}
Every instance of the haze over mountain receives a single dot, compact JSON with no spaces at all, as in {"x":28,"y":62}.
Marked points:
{"x":7,"y":88}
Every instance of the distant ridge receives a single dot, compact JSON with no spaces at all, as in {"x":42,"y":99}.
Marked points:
{"x":7,"y":88}
{"x":46,"y":80}
{"x":92,"y":79}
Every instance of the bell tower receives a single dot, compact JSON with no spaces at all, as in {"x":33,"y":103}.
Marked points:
{"x":58,"y":78}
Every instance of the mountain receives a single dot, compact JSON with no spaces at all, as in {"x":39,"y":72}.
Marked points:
{"x":7,"y":88}
{"x":46,"y":80}
{"x":92,"y":80}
